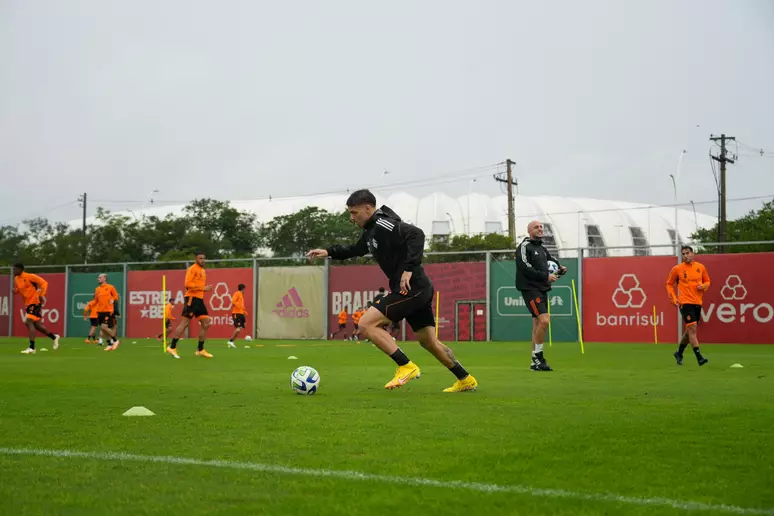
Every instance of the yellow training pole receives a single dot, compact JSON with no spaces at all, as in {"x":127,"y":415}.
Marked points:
{"x":550,"y":335}
{"x":164,"y":312}
{"x":655,"y":326}
{"x":577,"y":316}
{"x":437,"y":308}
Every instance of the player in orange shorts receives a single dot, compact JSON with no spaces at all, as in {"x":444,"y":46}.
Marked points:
{"x":692,"y":282}
{"x":33,"y":289}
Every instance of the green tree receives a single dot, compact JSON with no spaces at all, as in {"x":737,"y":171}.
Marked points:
{"x":225,"y":231}
{"x":460,"y":243}
{"x":757,"y":225}
{"x":311,"y":227}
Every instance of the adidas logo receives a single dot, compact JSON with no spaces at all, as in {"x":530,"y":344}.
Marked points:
{"x":291,"y":305}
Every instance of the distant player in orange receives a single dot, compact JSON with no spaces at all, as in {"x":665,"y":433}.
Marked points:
{"x":106,"y":298}
{"x":692,"y":281}
{"x":195,"y":287}
{"x":356,"y":321}
{"x":168,"y":318}
{"x":33,"y":290}
{"x":238,"y":313}
{"x":343,"y":316}
{"x":90,"y":314}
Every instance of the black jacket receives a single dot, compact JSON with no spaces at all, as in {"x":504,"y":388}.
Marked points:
{"x":532,"y":265}
{"x":395,"y":245}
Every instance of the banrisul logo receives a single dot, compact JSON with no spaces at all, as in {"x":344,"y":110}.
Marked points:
{"x":629,"y":299}
{"x":291,"y":305}
{"x":736,"y":305}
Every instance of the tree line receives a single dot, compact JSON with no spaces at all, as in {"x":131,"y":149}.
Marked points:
{"x":221,"y":231}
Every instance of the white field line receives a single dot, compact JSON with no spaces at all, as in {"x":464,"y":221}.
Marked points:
{"x":410,"y":481}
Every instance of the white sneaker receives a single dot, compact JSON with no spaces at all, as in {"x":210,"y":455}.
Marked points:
{"x":231,"y":344}
{"x":56,"y":342}
{"x":28,"y":351}
{"x":100,"y":342}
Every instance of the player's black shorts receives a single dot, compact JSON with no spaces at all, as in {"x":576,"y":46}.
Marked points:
{"x":342,"y":326}
{"x":168,"y":323}
{"x":691,"y":314}
{"x":537,"y":302}
{"x":107,"y":318}
{"x":195,"y":308}
{"x":94,"y":321}
{"x":416,"y":307}
{"x":239,"y":320}
{"x":34,"y":312}
{"x":357,"y":326}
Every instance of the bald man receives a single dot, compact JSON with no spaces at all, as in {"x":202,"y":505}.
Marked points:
{"x":534,"y":282}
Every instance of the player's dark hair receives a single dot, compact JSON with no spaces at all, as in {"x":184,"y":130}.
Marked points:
{"x":19,"y":266}
{"x":686,"y":248}
{"x":197,"y":253}
{"x":359,"y":197}
{"x":241,"y":286}
{"x":381,"y":290}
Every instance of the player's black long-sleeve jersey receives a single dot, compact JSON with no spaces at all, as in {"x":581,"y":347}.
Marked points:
{"x":532,"y":265}
{"x":396,"y":245}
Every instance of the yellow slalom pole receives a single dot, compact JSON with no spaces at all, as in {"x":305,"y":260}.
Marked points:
{"x":550,"y":334}
{"x":437,"y":308}
{"x":655,"y":326}
{"x":577,"y":316}
{"x":164,"y":312}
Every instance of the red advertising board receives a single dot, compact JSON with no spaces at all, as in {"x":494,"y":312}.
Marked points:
{"x":619,"y":295}
{"x":53,"y":312}
{"x":5,"y":304}
{"x":144,"y":299}
{"x":353,"y":286}
{"x":738,"y":307}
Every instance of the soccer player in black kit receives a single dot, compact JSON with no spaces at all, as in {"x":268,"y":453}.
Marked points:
{"x":397,"y":247}
{"x":534,"y":282}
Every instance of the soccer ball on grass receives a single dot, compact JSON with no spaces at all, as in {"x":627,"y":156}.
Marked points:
{"x":305,"y":380}
{"x":248,"y":338}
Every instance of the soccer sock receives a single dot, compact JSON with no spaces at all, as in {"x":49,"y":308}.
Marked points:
{"x":697,"y":352}
{"x":201,"y":345}
{"x":538,"y":349}
{"x":459,"y":371}
{"x":112,"y":340}
{"x":32,"y":344}
{"x":173,"y":345}
{"x":51,"y":336}
{"x":682,"y":348}
{"x":400,"y":357}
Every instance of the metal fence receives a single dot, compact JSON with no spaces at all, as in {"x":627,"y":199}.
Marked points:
{"x":119,"y":273}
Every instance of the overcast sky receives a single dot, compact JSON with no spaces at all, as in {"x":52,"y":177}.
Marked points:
{"x":242,"y":99}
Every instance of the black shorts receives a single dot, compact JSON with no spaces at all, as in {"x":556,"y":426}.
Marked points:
{"x":34,"y":312}
{"x":195,"y":308}
{"x":537,"y":302}
{"x":691,"y":314}
{"x":107,"y":318}
{"x":357,"y":326}
{"x":239,"y":320}
{"x":342,"y":326}
{"x":168,"y":323}
{"x":416,"y":307}
{"x":94,"y":321}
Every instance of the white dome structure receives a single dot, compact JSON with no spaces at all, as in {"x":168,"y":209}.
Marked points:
{"x":598,"y":226}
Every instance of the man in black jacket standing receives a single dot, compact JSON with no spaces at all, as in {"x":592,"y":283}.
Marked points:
{"x":397,"y":247}
{"x":534,"y":280}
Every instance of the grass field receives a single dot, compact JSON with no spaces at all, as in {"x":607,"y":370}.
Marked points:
{"x":619,"y":430}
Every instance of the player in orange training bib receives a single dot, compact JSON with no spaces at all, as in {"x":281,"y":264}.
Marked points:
{"x":32,"y":289}
{"x":692,"y":281}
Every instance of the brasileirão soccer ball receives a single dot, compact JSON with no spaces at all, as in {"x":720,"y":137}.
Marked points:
{"x":248,"y":338}
{"x":305,"y":380}
{"x":553,"y":267}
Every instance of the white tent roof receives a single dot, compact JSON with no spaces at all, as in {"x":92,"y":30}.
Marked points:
{"x":570,"y":220}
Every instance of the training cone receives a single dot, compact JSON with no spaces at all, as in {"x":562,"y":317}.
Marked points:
{"x":138,"y":411}
{"x":291,"y":357}
{"x":736,"y":366}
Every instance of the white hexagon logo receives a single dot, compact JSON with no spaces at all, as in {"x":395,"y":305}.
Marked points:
{"x":629,"y":294}
{"x":220,"y":300}
{"x":733,"y":289}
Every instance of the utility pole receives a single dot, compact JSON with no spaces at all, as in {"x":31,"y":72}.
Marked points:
{"x":510,"y":183}
{"x":84,"y":243}
{"x":723,"y":159}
